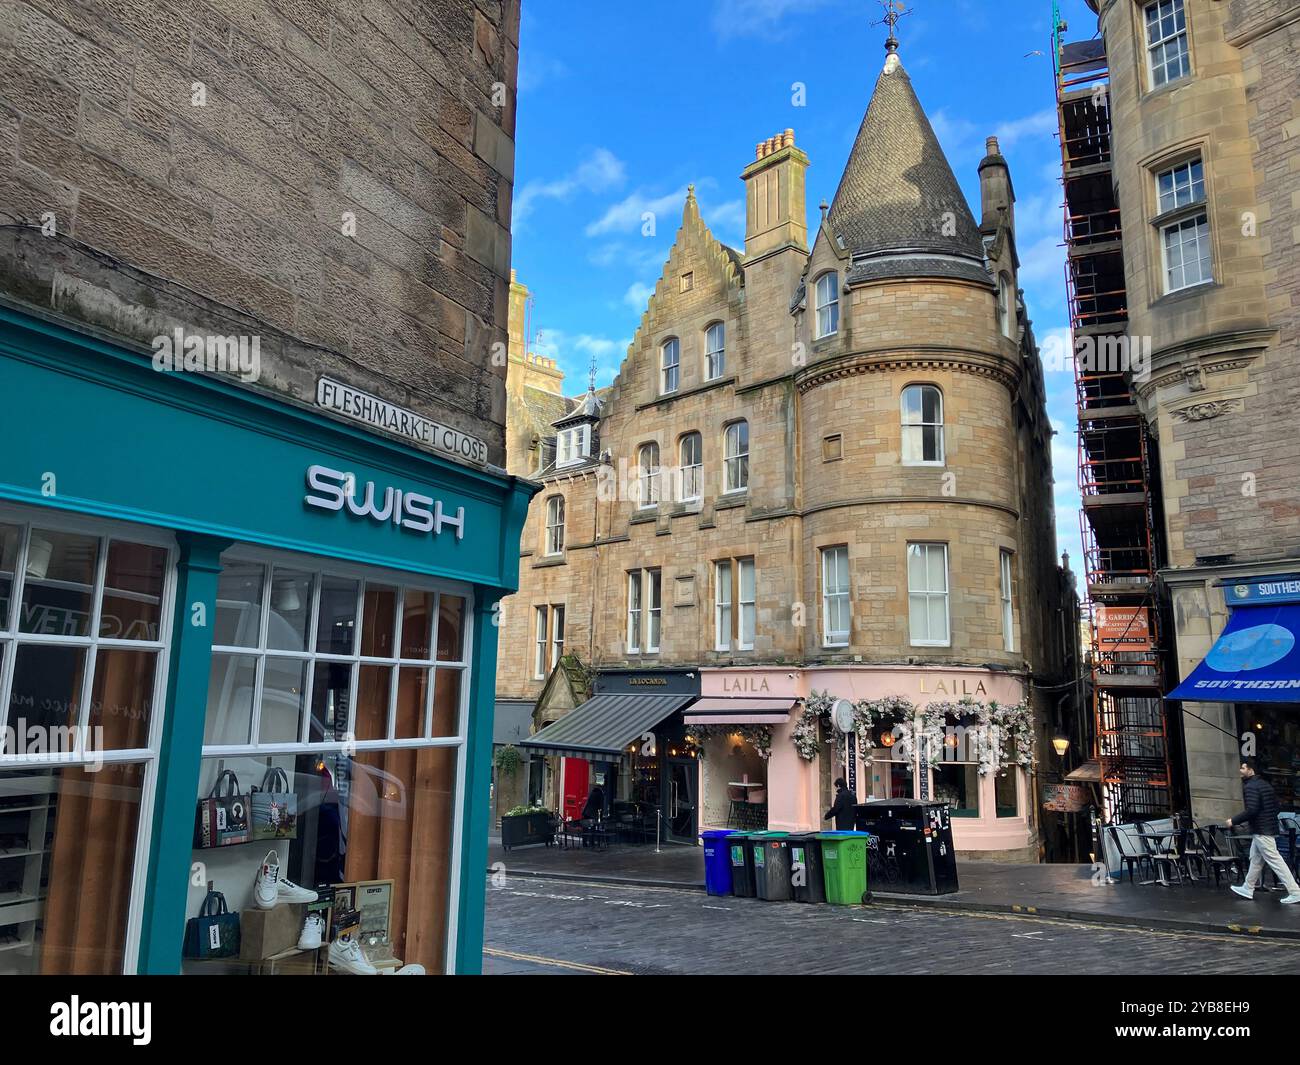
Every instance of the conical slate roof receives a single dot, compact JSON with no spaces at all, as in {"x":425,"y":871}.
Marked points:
{"x":898,"y":198}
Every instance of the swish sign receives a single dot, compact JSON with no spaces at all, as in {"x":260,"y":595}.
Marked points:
{"x":333,"y":490}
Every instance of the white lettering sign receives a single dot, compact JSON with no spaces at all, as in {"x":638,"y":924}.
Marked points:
{"x":334,"y":489}
{"x":370,"y":410}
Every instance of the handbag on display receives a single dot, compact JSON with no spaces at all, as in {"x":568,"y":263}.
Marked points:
{"x":214,"y":933}
{"x":274,"y":807}
{"x":222,"y":819}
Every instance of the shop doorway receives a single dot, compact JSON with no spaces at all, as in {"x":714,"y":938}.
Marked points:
{"x":682,"y":799}
{"x":574,"y":776}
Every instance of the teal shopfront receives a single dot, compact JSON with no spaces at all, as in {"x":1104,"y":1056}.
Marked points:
{"x":198,"y":580}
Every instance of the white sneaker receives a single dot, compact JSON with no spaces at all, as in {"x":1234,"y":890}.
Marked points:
{"x":287,"y":891}
{"x":346,"y":954}
{"x":1292,"y":899}
{"x":409,"y":970}
{"x":265,"y":890}
{"x":312,"y":928}
{"x":1244,"y":892}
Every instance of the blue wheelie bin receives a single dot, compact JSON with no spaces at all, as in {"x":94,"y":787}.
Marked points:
{"x":717,"y":861}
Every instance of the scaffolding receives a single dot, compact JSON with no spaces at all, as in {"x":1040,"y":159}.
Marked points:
{"x":1118,"y":518}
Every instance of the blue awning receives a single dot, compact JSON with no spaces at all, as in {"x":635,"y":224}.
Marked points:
{"x":1256,"y":660}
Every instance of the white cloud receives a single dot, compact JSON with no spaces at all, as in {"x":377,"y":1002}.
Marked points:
{"x":726,"y":219}
{"x":758,"y":18}
{"x":628,"y":215}
{"x":1043,"y":261}
{"x":638,"y":295}
{"x":537,"y":68}
{"x":1040,"y":124}
{"x":598,"y":172}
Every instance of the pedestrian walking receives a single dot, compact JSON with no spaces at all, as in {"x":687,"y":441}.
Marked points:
{"x":1261,"y":814}
{"x":842,"y":808}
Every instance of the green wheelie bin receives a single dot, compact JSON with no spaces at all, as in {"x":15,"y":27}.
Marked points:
{"x":844,"y":867}
{"x":772,"y":866}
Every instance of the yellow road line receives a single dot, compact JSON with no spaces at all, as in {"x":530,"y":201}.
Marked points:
{"x":537,"y":959}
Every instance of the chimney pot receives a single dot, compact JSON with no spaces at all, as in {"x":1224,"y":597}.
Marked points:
{"x":993,"y":146}
{"x":787,"y":138}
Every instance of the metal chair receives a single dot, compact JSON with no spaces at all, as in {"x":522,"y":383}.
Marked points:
{"x":1130,"y":849}
{"x":1164,"y":857}
{"x":1221,"y":856}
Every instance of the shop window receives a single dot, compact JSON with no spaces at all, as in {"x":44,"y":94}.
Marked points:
{"x":736,"y":453}
{"x":340,"y":722}
{"x":1006,"y":793}
{"x":83,"y":667}
{"x":922,"y":423}
{"x":927,"y":591}
{"x":958,"y":784}
{"x":836,"y":611}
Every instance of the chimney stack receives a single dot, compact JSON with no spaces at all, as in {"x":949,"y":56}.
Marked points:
{"x":996,"y":192}
{"x":775,"y":212}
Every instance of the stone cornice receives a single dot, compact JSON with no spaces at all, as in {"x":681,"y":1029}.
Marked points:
{"x":917,"y":357}
{"x":1193,"y":360}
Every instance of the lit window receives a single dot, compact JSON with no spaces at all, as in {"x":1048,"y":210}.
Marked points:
{"x":1167,"y":55}
{"x":555,"y":525}
{"x":715,"y":351}
{"x":1008,"y":631}
{"x":927,"y":590}
{"x":736,"y":452}
{"x":692,"y":464}
{"x":649,"y":464}
{"x":836,"y":614}
{"x":670,"y":358}
{"x":828,"y":304}
{"x":922,"y":417}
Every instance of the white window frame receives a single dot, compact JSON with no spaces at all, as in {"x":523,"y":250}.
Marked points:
{"x":1179,"y":41}
{"x":715,"y":351}
{"x":919,"y":427}
{"x":723,"y":604}
{"x":555,"y":519}
{"x":1006,"y":307}
{"x":654,"y":610}
{"x":1005,"y":594}
{"x":572,"y":446}
{"x":1173,"y":232}
{"x":692,"y":479}
{"x":746,"y":604}
{"x":635,"y":613}
{"x":670,"y":364}
{"x":928,"y":594}
{"x":826,"y":310}
{"x":541,"y":641}
{"x":647,"y":460}
{"x":735,"y":466}
{"x":10,"y":639}
{"x":644,"y":610}
{"x":1186,"y":185}
{"x":557,"y":633}
{"x":833,"y":593}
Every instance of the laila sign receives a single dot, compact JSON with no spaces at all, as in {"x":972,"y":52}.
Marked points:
{"x":333,"y":490}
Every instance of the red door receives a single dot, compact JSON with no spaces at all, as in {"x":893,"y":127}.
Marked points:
{"x":574,"y":774}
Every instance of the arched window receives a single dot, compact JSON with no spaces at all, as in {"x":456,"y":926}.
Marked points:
{"x":555,"y":525}
{"x":670,"y":359}
{"x":828,"y":304}
{"x":715,"y":351}
{"x":691,"y":459}
{"x":736,"y":455}
{"x":1006,"y":307}
{"x":648,"y":460}
{"x":922,"y":419}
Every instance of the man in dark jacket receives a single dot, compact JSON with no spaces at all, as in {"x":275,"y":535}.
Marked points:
{"x":842,"y":808}
{"x":1261,"y":814}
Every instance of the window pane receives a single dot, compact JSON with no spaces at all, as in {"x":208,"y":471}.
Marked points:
{"x":121,"y":698}
{"x":938,"y":609}
{"x":10,"y":538}
{"x":938,"y":569}
{"x":330,"y":693}
{"x":133,"y":589}
{"x":931,"y":436}
{"x":239,"y":604}
{"x":747,"y":582}
{"x":912,"y":406}
{"x":284,"y":689}
{"x":412,"y":695}
{"x":916,"y":567}
{"x":451,"y":628}
{"x":373,"y":688}
{"x":231,"y":684}
{"x":958,"y":786}
{"x":417,"y":624}
{"x":1006,"y":795}
{"x":46,"y":689}
{"x":290,"y":617}
{"x":446,"y":702}
{"x":66,"y":906}
{"x":58,"y":591}
{"x":336,"y":622}
{"x":930,"y":406}
{"x":379,"y":613}
{"x":918,"y":625}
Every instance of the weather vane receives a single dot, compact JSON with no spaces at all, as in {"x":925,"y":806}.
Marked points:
{"x":591,"y":374}
{"x":894,"y":10}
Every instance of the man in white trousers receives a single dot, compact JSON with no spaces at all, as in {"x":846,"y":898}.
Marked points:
{"x":1261,"y":814}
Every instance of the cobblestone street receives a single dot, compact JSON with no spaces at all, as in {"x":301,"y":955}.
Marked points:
{"x":542,"y":926}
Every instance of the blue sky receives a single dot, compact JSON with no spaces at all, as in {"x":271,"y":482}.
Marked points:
{"x":622,"y":105}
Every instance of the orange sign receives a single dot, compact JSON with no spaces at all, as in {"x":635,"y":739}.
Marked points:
{"x":1124,"y":628}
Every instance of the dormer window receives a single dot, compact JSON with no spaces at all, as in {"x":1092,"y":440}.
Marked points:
{"x":572,"y":446}
{"x":828,"y":304}
{"x":1006,"y":307}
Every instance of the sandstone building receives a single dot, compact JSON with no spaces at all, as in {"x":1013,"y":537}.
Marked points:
{"x":1180,"y":126}
{"x":823,"y":467}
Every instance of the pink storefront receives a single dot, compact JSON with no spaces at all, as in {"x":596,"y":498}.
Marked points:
{"x":738,"y":787}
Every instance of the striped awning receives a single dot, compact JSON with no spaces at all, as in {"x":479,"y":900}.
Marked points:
{"x":604,"y":726}
{"x":744,"y":710}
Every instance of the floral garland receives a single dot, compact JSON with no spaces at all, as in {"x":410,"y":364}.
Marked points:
{"x":760,"y":736}
{"x":806,"y":734}
{"x":993,"y":722}
{"x":898,"y":710}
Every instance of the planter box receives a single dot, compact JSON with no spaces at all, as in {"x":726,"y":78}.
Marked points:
{"x":523,"y":829}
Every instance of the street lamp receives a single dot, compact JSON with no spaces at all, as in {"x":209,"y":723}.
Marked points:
{"x":1060,"y":744}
